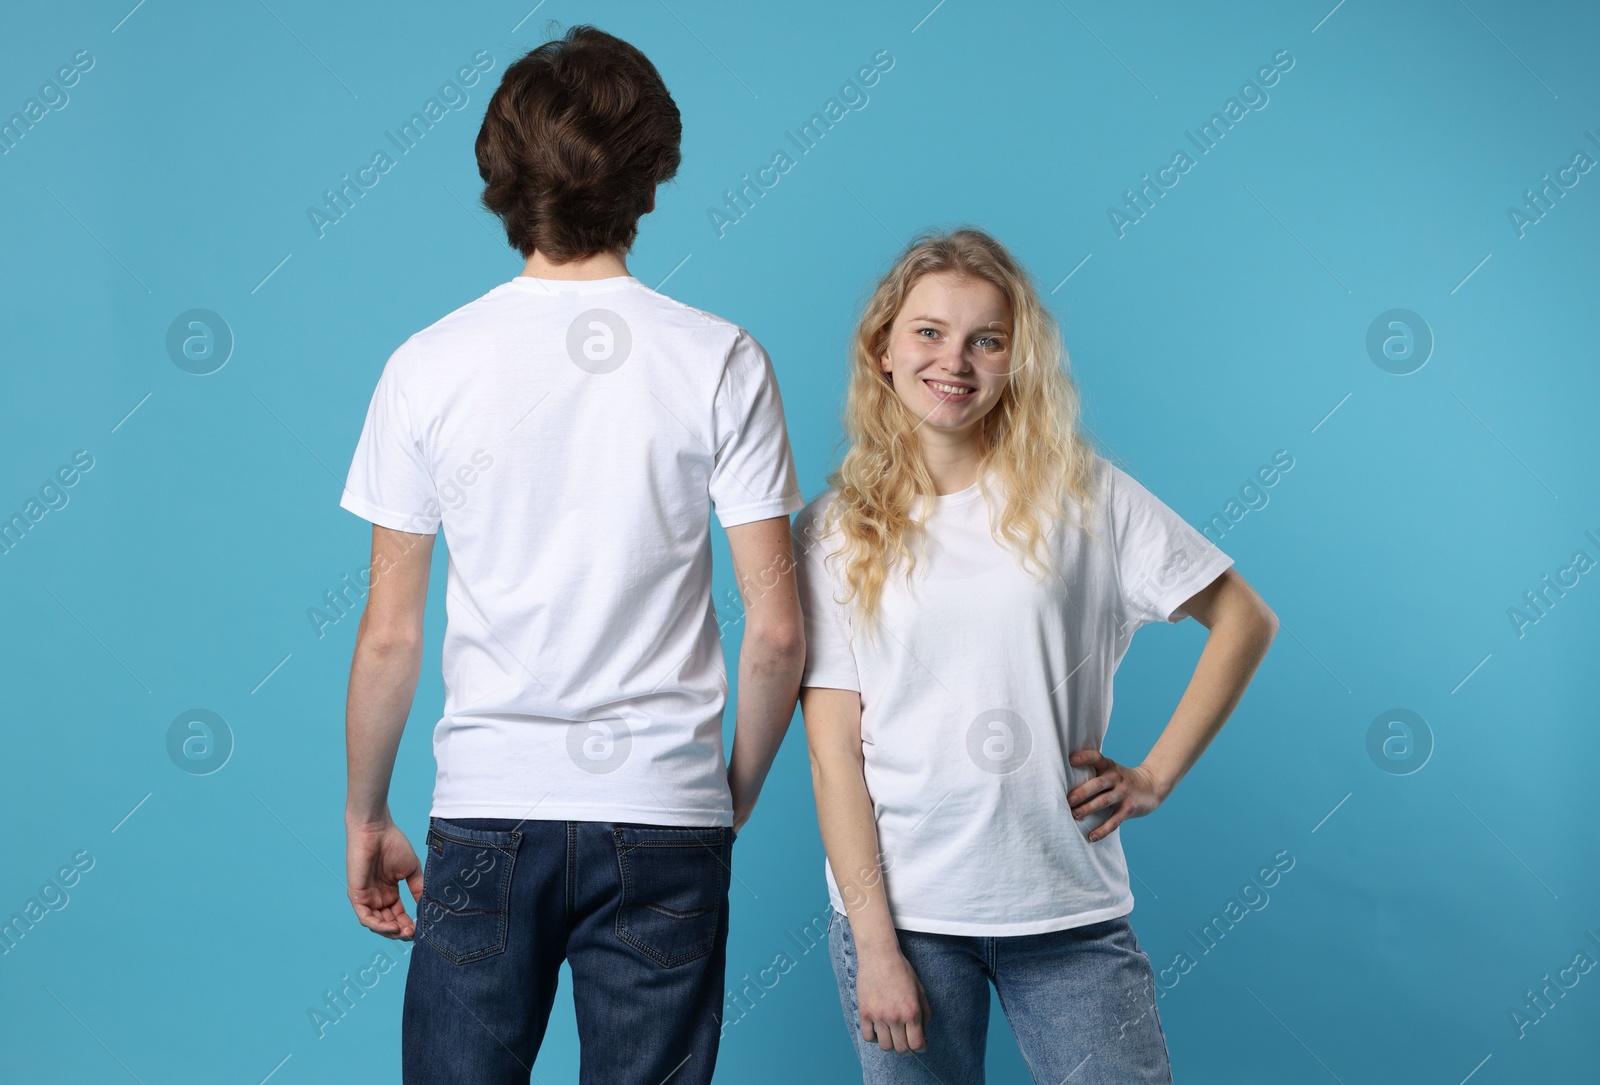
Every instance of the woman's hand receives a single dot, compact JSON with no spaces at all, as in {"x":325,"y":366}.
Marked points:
{"x":1134,"y":790}
{"x":893,"y":1004}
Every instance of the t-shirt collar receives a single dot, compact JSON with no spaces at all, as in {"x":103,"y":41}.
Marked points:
{"x":572,"y":286}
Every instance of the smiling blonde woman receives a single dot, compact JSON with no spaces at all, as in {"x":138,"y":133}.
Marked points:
{"x":971,"y":579}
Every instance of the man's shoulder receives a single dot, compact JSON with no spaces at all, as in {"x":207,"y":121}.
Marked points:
{"x":656,"y":316}
{"x":707,"y":331}
{"x":671,"y":308}
{"x":469,"y":314}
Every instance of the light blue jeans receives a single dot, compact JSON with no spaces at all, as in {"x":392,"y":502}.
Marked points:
{"x":1081,"y":1003}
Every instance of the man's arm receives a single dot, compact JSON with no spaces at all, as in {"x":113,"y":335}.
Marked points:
{"x":771,"y":655}
{"x":383,"y":679}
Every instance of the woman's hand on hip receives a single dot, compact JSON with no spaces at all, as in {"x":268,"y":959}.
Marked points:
{"x":1132,"y":789}
{"x":893,"y":1004}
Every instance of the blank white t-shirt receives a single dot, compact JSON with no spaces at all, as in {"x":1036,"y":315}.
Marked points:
{"x":979,"y":684}
{"x":573,"y":438}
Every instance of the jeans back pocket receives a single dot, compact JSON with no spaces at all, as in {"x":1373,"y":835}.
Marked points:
{"x":674,"y":890}
{"x":465,"y":908}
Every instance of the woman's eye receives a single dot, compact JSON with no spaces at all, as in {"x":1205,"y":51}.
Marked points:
{"x":990,"y":343}
{"x":921,"y":330}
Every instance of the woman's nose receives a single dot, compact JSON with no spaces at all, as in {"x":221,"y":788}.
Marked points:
{"x":957,"y":360}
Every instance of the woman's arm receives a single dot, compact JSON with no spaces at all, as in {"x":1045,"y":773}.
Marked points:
{"x":1241,"y":628}
{"x":893,"y":1005}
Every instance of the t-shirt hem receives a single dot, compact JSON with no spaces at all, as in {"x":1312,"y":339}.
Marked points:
{"x":702,"y":817}
{"x":1201,"y":577}
{"x":830,"y":681}
{"x":986,"y":930}
{"x":761,"y":510}
{"x":384,"y":518}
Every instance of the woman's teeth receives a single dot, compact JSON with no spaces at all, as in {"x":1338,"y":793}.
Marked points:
{"x":949,"y":389}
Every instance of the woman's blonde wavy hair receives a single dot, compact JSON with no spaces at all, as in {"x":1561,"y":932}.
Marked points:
{"x":1030,"y":436}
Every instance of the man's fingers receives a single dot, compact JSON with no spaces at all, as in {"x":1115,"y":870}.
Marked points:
{"x":404,"y":927}
{"x":395,"y":911}
{"x":376,"y":923}
{"x":898,"y":1031}
{"x":388,"y":919}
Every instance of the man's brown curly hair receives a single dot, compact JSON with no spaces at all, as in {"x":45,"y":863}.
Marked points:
{"x":574,"y":142}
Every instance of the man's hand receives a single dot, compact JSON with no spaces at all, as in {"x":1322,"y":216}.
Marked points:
{"x":744,"y":804}
{"x":377,"y":859}
{"x":1133,"y":788}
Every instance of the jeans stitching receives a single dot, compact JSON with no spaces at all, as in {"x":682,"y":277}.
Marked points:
{"x":851,"y":1008}
{"x":572,"y":868}
{"x":503,"y":911}
{"x":625,"y":897}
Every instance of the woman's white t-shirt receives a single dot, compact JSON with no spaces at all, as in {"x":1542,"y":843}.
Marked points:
{"x":573,"y":438}
{"x":979,"y":684}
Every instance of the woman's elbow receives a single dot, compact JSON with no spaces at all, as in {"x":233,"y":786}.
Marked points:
{"x":1266,"y":625}
{"x":832,"y":767}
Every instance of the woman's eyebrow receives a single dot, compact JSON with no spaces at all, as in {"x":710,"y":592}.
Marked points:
{"x":992,"y":326}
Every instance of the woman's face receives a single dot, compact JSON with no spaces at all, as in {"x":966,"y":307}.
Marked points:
{"x":949,"y":351}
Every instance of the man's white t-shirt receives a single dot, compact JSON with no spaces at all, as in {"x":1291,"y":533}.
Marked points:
{"x":979,"y":684}
{"x":573,"y":438}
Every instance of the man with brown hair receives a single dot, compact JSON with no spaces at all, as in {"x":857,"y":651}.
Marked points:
{"x":572,"y":430}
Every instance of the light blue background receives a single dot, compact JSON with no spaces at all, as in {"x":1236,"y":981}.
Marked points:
{"x":1230,"y":323}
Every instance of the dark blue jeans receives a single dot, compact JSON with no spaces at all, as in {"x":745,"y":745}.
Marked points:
{"x":640,"y":912}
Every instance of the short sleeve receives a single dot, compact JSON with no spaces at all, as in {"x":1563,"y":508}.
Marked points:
{"x":753,"y":477}
{"x":389,"y":482}
{"x":830,"y":661}
{"x":1161,"y":560}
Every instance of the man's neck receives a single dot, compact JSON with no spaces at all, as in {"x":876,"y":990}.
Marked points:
{"x":601,"y":265}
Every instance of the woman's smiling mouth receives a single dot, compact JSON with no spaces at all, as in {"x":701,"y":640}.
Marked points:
{"x":948,"y":391}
